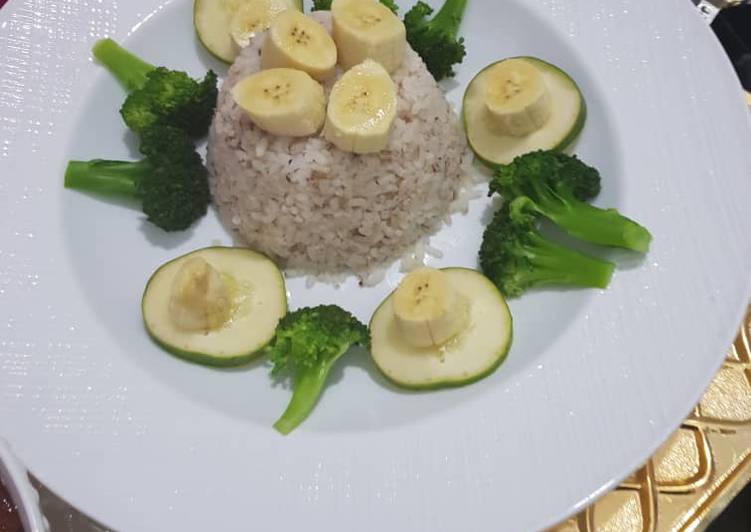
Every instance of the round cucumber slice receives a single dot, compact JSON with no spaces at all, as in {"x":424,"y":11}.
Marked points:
{"x":471,"y":355}
{"x":259,"y":302}
{"x":567,"y":116}
{"x":212,"y":20}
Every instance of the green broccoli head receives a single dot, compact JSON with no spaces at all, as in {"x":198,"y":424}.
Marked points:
{"x":173,"y":98}
{"x":170,"y":181}
{"x":516,"y":257}
{"x":176,"y":191}
{"x":435,"y":40}
{"x":158,"y":95}
{"x":542,"y":173}
{"x":307,"y":343}
{"x":312,"y":336}
{"x":557,"y":187}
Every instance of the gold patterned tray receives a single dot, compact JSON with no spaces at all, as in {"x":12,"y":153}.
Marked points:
{"x":698,"y":471}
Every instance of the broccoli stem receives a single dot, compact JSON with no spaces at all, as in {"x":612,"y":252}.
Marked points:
{"x":606,"y":227}
{"x":307,"y":389}
{"x":450,"y":16}
{"x":104,"y":176}
{"x":130,"y":70}
{"x":556,"y":264}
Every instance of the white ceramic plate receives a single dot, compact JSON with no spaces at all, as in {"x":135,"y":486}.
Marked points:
{"x":595,"y":379}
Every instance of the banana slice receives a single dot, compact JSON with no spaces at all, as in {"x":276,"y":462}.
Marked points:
{"x":366,"y":29}
{"x":200,"y":299}
{"x":253,"y":17}
{"x":282,"y":101}
{"x":297,"y":41}
{"x":516,"y":98}
{"x":362,"y":108}
{"x":428,"y":309}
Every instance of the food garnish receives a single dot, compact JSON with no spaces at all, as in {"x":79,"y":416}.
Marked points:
{"x":428,"y":309}
{"x":361,"y":109}
{"x":436,"y":39}
{"x":224,"y":27}
{"x":282,"y":101}
{"x":158,"y":95}
{"x":366,"y":29}
{"x":171,"y":181}
{"x":307,"y":343}
{"x":215,"y":306}
{"x":556,"y":185}
{"x":518,"y":105}
{"x":516,"y":97}
{"x":516,"y":257}
{"x":440,"y":328}
{"x":297,"y":41}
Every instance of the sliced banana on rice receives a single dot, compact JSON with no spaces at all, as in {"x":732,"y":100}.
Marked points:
{"x":366,"y":29}
{"x":362,"y":109}
{"x":427,"y":308}
{"x":282,"y":101}
{"x":252,"y":17}
{"x":516,"y":97}
{"x":297,"y":41}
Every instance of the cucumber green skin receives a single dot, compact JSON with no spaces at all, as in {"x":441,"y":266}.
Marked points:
{"x":205,"y":359}
{"x":566,"y":141}
{"x":208,"y":360}
{"x":298,"y":4}
{"x":452,"y":383}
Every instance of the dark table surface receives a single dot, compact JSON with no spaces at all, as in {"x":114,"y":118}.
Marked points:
{"x":737,"y":516}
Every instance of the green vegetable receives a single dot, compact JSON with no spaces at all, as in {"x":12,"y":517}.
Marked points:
{"x":493,"y":146}
{"x":158,"y":94}
{"x":435,"y":40}
{"x":556,"y":186}
{"x":258,"y":301}
{"x":325,"y":5}
{"x":479,"y":347}
{"x":307,"y":344}
{"x":516,"y":257}
{"x":171,"y":181}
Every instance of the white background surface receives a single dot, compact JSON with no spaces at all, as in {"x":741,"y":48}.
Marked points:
{"x":594,"y":382}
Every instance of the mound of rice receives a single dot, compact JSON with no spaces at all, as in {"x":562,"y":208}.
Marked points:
{"x":316,"y":209}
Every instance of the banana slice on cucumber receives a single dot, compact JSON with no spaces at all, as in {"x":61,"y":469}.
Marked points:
{"x":215,"y":306}
{"x":226,"y":26}
{"x":440,"y":328}
{"x":518,"y":105}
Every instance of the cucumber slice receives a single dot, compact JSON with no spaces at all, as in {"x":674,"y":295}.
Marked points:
{"x":567,"y":116}
{"x":473,"y":354}
{"x":212,"y":19}
{"x":260,"y":301}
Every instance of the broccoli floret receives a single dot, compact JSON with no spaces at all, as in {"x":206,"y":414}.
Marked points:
{"x":325,"y":5}
{"x":158,"y":94}
{"x":516,"y":257}
{"x":307,"y":344}
{"x":557,"y":186}
{"x":171,"y":181}
{"x":436,"y":39}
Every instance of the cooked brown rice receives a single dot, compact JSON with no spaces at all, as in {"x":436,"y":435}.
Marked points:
{"x":318,"y":209}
